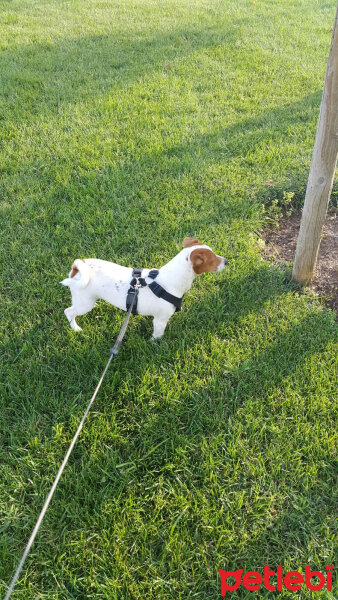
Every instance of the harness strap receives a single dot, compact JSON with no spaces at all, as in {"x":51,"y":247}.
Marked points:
{"x":160,"y":292}
{"x":138,"y":281}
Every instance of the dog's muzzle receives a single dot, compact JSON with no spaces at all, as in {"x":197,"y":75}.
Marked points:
{"x":222,"y":264}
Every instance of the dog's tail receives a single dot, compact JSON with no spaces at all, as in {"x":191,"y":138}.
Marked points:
{"x":79,"y":276}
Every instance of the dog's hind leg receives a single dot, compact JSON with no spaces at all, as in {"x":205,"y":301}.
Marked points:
{"x":79,"y":307}
{"x":71,"y":314}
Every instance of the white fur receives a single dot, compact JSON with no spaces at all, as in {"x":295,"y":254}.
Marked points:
{"x":100,"y":279}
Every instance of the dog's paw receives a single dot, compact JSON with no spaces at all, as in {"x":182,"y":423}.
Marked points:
{"x":76,"y":327}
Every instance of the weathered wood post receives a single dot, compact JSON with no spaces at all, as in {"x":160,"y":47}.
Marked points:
{"x":322,"y":171}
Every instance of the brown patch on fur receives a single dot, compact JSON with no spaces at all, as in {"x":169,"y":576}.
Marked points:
{"x":204,"y":260}
{"x":188,"y":242}
{"x":74,"y":271}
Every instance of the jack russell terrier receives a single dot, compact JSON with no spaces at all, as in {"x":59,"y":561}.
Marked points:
{"x":93,"y":279}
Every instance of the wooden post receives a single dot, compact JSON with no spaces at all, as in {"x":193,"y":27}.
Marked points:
{"x":322,"y":171}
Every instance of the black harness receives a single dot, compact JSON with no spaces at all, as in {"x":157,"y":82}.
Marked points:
{"x":138,"y":281}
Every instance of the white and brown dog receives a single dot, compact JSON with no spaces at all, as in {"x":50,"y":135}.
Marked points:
{"x":93,"y":279}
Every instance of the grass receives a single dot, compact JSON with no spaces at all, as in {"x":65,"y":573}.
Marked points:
{"x":124,"y":127}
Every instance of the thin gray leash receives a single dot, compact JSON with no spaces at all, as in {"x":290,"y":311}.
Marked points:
{"x":113,"y":353}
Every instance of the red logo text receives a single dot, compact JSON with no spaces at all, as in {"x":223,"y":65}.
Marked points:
{"x":292,"y":580}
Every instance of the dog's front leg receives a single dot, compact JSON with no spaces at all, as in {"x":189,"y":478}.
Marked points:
{"x":159,"y":327}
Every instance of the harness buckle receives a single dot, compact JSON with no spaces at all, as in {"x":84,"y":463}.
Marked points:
{"x":136,"y":280}
{"x":135,"y":284}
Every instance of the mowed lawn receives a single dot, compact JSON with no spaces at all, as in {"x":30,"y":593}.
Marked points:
{"x":125,"y":126}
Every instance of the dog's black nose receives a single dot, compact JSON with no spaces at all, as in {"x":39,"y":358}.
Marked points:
{"x":226,"y":262}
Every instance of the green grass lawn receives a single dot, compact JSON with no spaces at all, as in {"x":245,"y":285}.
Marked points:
{"x":125,"y":126}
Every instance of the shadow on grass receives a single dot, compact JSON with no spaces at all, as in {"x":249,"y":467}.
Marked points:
{"x":153,"y":436}
{"x":277,"y":449}
{"x":47,"y":75}
{"x":157,"y":431}
{"x":51,"y":348}
{"x":123,"y":192}
{"x":253,"y":380}
{"x":260,"y":447}
{"x":54,"y":75}
{"x":130,"y":186}
{"x":222,"y":305}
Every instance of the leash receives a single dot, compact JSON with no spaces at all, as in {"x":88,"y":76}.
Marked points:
{"x":113,"y":353}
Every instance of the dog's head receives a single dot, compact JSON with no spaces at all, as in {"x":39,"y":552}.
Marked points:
{"x":202,"y":258}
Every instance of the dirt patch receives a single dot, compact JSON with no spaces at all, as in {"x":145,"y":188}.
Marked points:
{"x":280,"y":246}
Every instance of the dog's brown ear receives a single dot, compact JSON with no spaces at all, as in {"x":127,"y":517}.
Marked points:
{"x":188,"y":242}
{"x":203,"y":260}
{"x":197,"y":260}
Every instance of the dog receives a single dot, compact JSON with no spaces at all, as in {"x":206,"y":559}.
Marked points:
{"x":92,"y":279}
